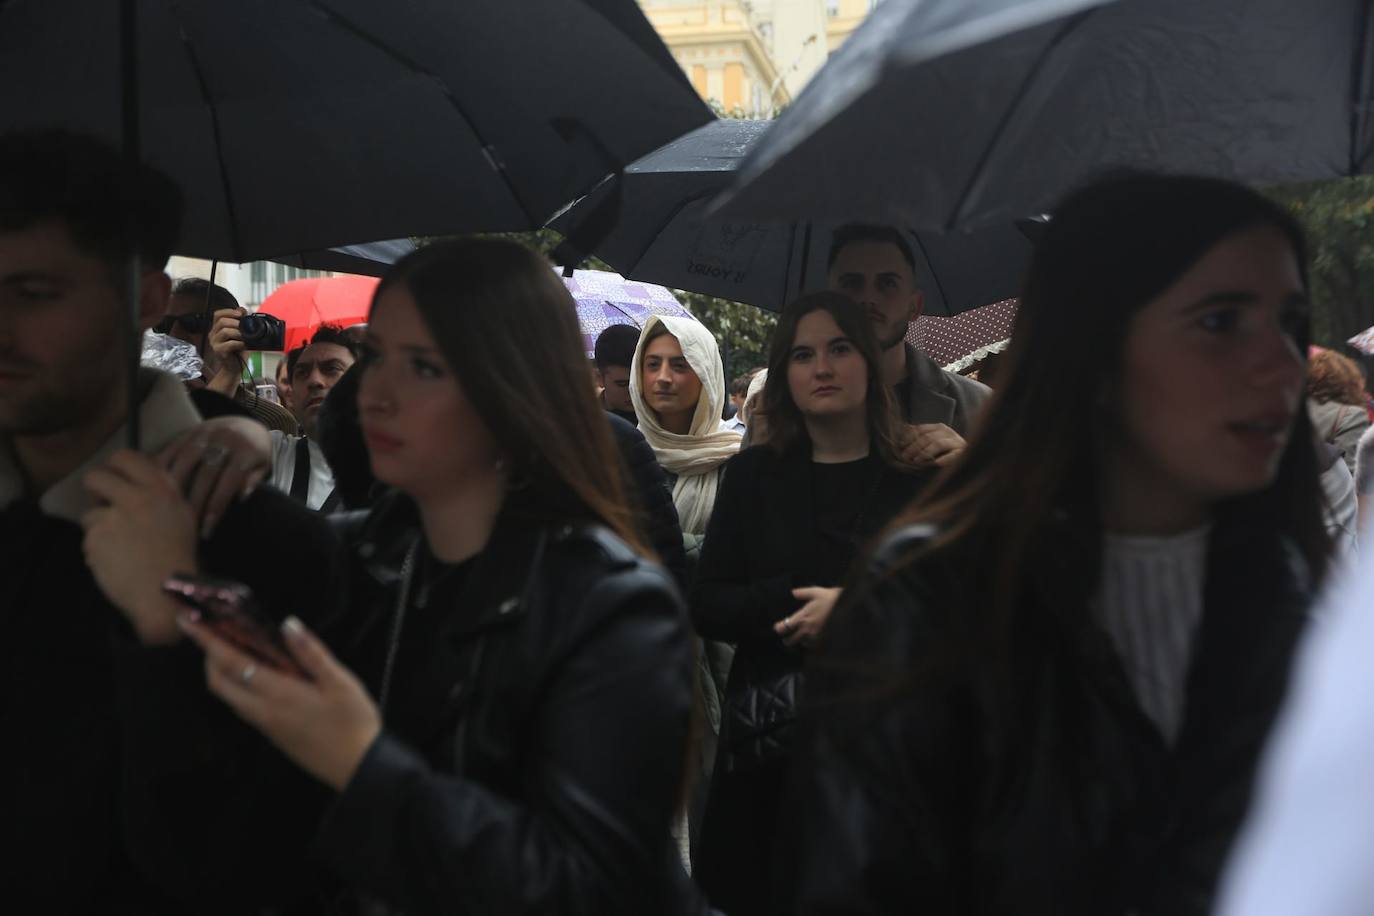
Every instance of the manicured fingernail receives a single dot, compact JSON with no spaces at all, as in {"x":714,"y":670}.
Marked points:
{"x":292,"y":626}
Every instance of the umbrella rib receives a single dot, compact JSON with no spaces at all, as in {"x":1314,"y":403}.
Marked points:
{"x":1359,"y":96}
{"x":663,"y":226}
{"x":489,"y":150}
{"x":944,"y":297}
{"x":1005,"y":121}
{"x":203,"y":85}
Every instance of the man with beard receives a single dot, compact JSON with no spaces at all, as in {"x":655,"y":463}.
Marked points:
{"x":874,"y":266}
{"x":85,"y":687}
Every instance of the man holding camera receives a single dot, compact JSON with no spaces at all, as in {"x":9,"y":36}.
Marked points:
{"x":186,"y":320}
{"x":298,"y":463}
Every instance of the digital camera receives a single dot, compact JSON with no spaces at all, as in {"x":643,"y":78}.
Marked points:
{"x":263,"y":332}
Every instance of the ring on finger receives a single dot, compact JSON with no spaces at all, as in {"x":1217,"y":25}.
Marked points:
{"x":246,"y":675}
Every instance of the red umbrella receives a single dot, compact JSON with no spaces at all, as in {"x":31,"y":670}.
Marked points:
{"x":306,"y":304}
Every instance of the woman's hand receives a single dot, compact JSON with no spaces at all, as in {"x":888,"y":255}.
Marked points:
{"x":142,"y":532}
{"x":217,"y":462}
{"x":804,"y":627}
{"x":325,"y":724}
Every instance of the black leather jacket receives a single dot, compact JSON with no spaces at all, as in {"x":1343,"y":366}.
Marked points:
{"x":532,"y":755}
{"x":928,"y":783}
{"x":544,"y":775}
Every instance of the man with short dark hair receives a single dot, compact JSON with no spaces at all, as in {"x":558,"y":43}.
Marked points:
{"x":613,"y":354}
{"x":298,"y":464}
{"x":80,"y":675}
{"x":875,"y":266}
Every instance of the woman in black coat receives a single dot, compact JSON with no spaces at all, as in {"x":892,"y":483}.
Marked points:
{"x":790,"y":517}
{"x":1049,"y":692}
{"x":531,"y":669}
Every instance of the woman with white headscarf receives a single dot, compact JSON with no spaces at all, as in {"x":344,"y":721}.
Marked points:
{"x":677,"y":384}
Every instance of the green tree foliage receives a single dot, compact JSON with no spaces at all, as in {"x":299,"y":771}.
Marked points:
{"x":1338,"y":216}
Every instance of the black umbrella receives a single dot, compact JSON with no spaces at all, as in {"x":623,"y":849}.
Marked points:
{"x":953,"y":113}
{"x":296,"y":125}
{"x":370,"y":259}
{"x":650,"y":223}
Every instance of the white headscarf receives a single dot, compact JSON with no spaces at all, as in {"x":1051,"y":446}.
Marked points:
{"x":696,"y":457}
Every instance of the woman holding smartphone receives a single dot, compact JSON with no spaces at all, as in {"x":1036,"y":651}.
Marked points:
{"x":507,"y":729}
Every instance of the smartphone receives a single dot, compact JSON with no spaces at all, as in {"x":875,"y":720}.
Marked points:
{"x":229,"y":610}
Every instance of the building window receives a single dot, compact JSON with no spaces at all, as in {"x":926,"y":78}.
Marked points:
{"x":832,"y":8}
{"x":257,"y":283}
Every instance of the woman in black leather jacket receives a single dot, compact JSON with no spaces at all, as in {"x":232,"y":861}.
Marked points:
{"x":790,"y":518}
{"x":531,"y":669}
{"x":1049,"y":690}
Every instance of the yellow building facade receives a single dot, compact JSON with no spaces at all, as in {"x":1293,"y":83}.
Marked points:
{"x":843,"y":17}
{"x":752,"y":56}
{"x":726,"y":56}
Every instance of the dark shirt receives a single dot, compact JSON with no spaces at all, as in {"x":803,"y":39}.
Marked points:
{"x":843,"y":497}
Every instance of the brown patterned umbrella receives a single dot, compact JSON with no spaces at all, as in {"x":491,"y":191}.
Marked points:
{"x":960,"y":341}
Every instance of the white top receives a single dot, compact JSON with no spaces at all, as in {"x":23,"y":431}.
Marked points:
{"x":1150,"y":603}
{"x":284,"y":468}
{"x":1309,"y":842}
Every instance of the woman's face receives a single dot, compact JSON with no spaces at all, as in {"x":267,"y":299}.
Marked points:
{"x":1212,"y":376}
{"x":423,"y":434}
{"x":669,"y":385}
{"x":825,"y":372}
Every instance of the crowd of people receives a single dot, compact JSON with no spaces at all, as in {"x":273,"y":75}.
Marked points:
{"x":852,"y":634}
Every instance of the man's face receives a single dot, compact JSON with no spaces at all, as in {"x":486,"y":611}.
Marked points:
{"x":61,"y":332}
{"x":284,"y":384}
{"x":875,"y":275}
{"x":616,"y":381}
{"x":317,"y":370}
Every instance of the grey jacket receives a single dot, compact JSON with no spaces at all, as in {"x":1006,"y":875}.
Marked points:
{"x":937,"y":396}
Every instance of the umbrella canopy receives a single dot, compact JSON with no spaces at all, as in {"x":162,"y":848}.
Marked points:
{"x":370,"y":259}
{"x":959,"y":113}
{"x":652,"y":223}
{"x":306,"y":304}
{"x":962,"y":340}
{"x":604,"y":299}
{"x":297,"y":125}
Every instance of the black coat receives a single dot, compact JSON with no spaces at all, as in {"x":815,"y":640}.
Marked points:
{"x":931,"y":781}
{"x":654,"y":496}
{"x":533,"y":752}
{"x":76,"y":729}
{"x":762,"y":542}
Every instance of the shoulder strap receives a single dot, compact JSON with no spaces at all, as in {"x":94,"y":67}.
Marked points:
{"x":300,"y":480}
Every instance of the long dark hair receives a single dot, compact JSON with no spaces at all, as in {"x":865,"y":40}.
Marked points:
{"x":508,"y":328}
{"x":1109,"y":249}
{"x":786,"y":426}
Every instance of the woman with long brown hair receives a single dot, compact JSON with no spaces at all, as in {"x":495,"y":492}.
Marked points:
{"x":508,"y":733}
{"x":791,"y":516}
{"x":1048,"y":692}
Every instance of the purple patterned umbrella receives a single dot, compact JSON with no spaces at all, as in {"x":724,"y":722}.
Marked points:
{"x":605,"y":298}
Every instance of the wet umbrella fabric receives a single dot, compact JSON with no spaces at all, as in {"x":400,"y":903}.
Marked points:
{"x":651,"y":223}
{"x":296,"y":125}
{"x":963,"y":113}
{"x":306,"y":304}
{"x":604,"y":298}
{"x":370,"y":259}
